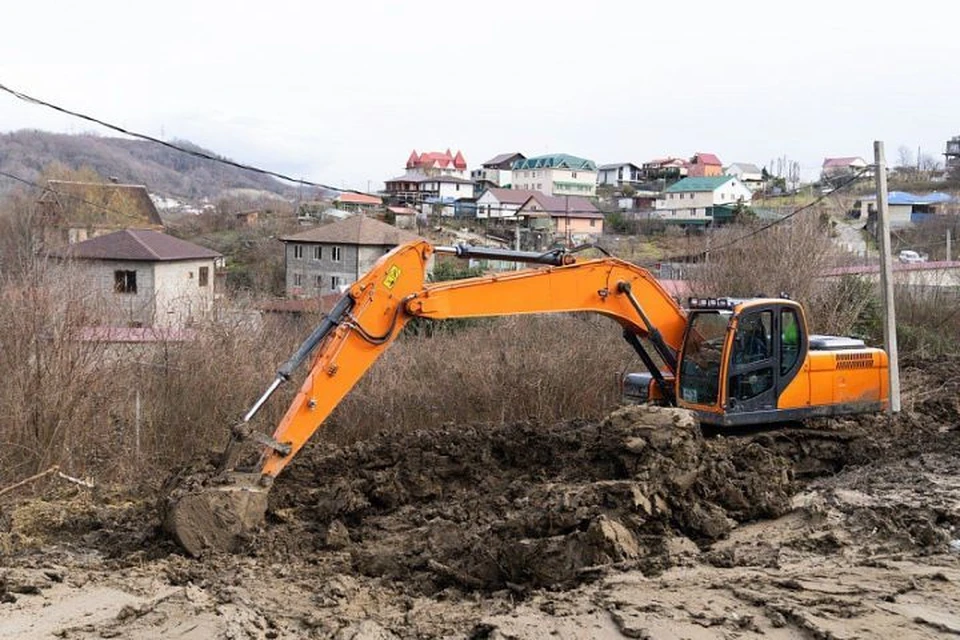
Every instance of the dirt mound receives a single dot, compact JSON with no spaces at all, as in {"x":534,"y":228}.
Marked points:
{"x":525,"y":505}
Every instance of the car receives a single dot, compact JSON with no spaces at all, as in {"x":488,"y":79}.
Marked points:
{"x":908,"y":255}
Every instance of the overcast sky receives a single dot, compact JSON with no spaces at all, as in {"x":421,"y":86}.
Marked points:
{"x":340,"y":92}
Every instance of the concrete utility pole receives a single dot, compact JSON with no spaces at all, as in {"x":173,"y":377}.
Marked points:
{"x":886,"y":277}
{"x":949,"y":246}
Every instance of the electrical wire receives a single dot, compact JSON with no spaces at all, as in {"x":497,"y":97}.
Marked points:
{"x":192,"y":152}
{"x":774,"y":223}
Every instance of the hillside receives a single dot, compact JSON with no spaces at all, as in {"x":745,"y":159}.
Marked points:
{"x":164,"y":171}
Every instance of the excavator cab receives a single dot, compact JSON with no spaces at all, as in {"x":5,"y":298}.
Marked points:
{"x":747,"y":362}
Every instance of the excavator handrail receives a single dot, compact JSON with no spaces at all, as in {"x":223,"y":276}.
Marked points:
{"x":374,"y":310}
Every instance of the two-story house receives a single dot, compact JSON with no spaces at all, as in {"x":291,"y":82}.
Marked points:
{"x":574,"y":219}
{"x":431,"y":178}
{"x":324,"y":259}
{"x":144,"y":278}
{"x":71,"y":211}
{"x":704,"y":165}
{"x":702,"y":201}
{"x":556,"y":175}
{"x":749,"y":174}
{"x":619,"y":174}
{"x":843,"y":168}
{"x":495,"y":172}
{"x":502,"y":203}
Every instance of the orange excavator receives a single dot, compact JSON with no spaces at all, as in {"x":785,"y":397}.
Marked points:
{"x":730,"y":361}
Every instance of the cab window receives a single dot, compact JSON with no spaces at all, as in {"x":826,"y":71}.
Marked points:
{"x":754,"y":341}
{"x":789,"y":340}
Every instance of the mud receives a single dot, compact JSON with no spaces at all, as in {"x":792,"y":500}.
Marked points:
{"x":636,"y":526}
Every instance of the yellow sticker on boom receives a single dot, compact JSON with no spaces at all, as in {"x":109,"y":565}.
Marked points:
{"x":393,"y":274}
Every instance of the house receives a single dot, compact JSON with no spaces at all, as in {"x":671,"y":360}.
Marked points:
{"x":437,"y":163}
{"x":904,"y":209}
{"x":574,"y":218}
{"x":146,"y":278}
{"x":619,"y":174}
{"x":641,"y":200}
{"x":702,"y":201}
{"x":667,"y":169}
{"x":843,"y":168}
{"x":331,"y":256}
{"x":502,"y":203}
{"x":357,"y":202}
{"x":749,"y":174}
{"x":704,"y":165}
{"x":559,"y":174}
{"x":72,"y":211}
{"x":248,"y":218}
{"x":495,"y":172}
{"x":431,"y":178}
{"x":403,"y":217}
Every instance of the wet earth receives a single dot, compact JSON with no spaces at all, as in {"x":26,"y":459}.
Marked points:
{"x":635,"y":526}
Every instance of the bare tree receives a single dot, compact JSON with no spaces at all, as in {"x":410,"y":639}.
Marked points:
{"x":904,"y":157}
{"x":928,"y":163}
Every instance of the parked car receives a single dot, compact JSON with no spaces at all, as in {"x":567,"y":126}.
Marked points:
{"x":908,"y":255}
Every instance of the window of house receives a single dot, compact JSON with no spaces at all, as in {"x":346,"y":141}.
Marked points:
{"x":318,"y":252}
{"x":297,"y":251}
{"x":335,"y":282}
{"x":319,"y":282}
{"x":125,"y":281}
{"x":204,"y":276}
{"x":593,"y":223}
{"x":297,"y":279}
{"x":539,"y":186}
{"x":336,"y":254}
{"x":573,"y":174}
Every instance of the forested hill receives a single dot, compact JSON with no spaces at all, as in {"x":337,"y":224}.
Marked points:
{"x":164,"y":171}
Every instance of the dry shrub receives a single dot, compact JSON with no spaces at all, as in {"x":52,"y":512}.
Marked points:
{"x":790,"y":259}
{"x":544,"y":367}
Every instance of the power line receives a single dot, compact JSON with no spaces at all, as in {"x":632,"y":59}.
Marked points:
{"x":34,"y":185}
{"x":192,"y":152}
{"x":776,"y":222}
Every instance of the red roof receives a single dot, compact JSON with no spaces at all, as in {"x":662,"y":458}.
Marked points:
{"x":430,"y":159}
{"x":402,"y":211}
{"x":143,"y":245}
{"x":358,"y":198}
{"x":706,"y":158}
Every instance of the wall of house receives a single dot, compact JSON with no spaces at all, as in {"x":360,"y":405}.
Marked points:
{"x":545,"y":181}
{"x":179,"y":297}
{"x":118,"y":309}
{"x":496,"y":208}
{"x":578,"y":226}
{"x":316,"y":275}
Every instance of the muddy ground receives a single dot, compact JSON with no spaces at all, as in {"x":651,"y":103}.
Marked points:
{"x":636,"y":526}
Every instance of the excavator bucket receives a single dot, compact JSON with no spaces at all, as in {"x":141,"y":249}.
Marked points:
{"x":207,"y":513}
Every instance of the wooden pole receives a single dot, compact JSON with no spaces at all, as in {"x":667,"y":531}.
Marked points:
{"x":886,"y":277}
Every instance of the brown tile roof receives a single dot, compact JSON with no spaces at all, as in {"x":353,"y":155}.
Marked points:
{"x":402,"y":211}
{"x":358,"y":198}
{"x":357,"y":229}
{"x":573,"y":206}
{"x":99,"y":204}
{"x":142,"y":245}
{"x":511,"y":196}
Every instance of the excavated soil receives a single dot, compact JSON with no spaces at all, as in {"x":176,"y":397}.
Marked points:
{"x":635,"y":526}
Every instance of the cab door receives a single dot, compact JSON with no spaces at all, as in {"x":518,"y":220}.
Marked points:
{"x":752,"y":370}
{"x":766,"y":355}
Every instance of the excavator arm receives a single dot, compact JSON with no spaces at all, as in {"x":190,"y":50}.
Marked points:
{"x":394,"y":291}
{"x":218,"y":512}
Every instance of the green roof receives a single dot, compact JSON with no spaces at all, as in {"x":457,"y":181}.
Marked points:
{"x":556,"y":161}
{"x":698,"y":184}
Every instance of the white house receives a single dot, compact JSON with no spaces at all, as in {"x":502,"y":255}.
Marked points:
{"x":702,"y":201}
{"x":619,"y":174}
{"x":556,"y":175}
{"x":146,"y":278}
{"x":749,"y":174}
{"x":502,"y":203}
